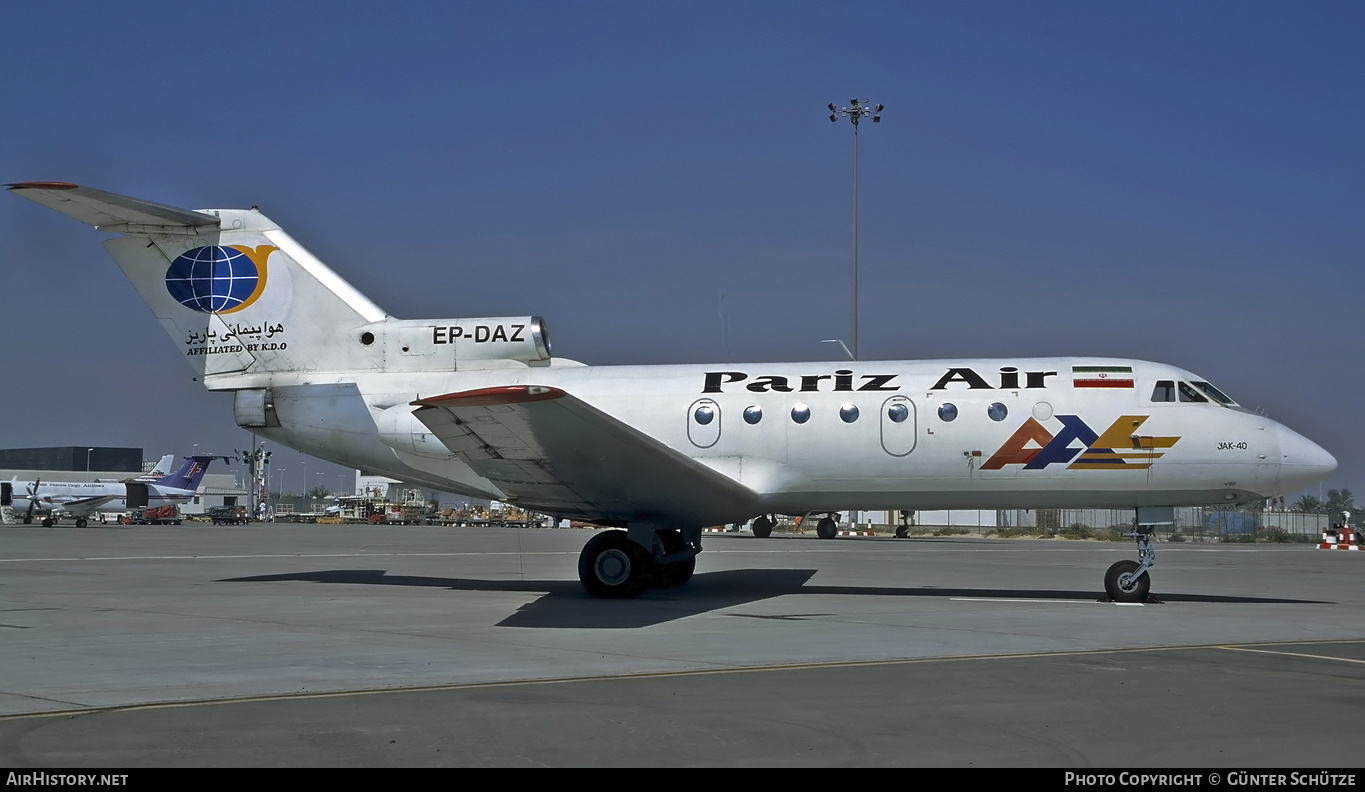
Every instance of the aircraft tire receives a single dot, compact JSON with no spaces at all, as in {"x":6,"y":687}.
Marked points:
{"x":28,"y":521}
{"x":48,"y":522}
{"x":762,"y":527}
{"x":826,"y":528}
{"x":667,"y":576}
{"x":902,"y":531}
{"x":611,"y":566}
{"x":1122,"y":587}
{"x":80,"y":522}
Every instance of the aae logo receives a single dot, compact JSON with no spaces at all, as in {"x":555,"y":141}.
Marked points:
{"x":216,"y":279}
{"x":1120,"y":447}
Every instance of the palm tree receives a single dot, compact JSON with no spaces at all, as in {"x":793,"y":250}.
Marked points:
{"x":1308,"y":504}
{"x":1339,"y":501}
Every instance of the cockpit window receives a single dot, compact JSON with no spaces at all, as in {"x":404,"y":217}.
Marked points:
{"x":1164,"y":391}
{"x":1214,"y":393}
{"x":1189,"y":394}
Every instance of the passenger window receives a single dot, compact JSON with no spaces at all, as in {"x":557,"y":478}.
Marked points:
{"x":1189,"y":394}
{"x":1164,"y":391}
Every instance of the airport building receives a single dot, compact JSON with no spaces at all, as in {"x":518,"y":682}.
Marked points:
{"x":73,"y":458}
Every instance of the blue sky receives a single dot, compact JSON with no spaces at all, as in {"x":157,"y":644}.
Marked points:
{"x":1168,"y":181}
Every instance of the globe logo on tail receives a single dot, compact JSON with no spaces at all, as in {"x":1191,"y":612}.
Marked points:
{"x":218,"y":279}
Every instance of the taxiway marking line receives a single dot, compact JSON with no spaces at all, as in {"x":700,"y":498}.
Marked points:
{"x":1295,"y":654}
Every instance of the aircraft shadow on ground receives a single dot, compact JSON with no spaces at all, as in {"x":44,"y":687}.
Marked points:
{"x":565,"y":605}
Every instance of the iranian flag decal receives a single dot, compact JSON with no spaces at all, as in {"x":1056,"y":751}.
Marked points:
{"x":1102,"y":376}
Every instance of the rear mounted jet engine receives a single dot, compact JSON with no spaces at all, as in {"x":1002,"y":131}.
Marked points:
{"x":452,"y":344}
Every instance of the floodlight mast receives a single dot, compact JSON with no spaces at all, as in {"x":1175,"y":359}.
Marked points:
{"x":856,"y":111}
{"x":257,"y":461}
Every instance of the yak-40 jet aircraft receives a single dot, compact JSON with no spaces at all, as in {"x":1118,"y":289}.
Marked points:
{"x":479,"y":406}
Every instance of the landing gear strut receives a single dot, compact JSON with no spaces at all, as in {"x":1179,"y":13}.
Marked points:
{"x":663,"y":573}
{"x":903,"y":529}
{"x":1128,"y":581}
{"x":614,"y":566}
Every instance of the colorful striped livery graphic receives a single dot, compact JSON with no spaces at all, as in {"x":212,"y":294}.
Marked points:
{"x":1120,"y":447}
{"x":1102,"y":376}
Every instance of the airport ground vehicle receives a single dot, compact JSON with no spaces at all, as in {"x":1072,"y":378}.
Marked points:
{"x":227,"y":515}
{"x":157,"y":515}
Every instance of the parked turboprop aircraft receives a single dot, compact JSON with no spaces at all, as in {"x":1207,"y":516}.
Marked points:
{"x":82,"y":499}
{"x":479,"y":406}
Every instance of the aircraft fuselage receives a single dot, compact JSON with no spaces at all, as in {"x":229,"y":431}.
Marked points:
{"x":986,"y":433}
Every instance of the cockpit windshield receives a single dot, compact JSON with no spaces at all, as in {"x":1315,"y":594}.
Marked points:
{"x":1214,"y":393}
{"x":1192,"y":392}
{"x":1189,"y":394}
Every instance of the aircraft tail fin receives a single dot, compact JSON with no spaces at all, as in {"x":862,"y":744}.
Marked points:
{"x":162,"y":467}
{"x":244,"y":302}
{"x":237,"y":295}
{"x":190,"y":473}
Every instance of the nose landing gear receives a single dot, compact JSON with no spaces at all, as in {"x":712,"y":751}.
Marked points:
{"x":1128,"y":581}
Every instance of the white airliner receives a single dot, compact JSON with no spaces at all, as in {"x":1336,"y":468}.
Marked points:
{"x":81,"y":499}
{"x":479,"y":406}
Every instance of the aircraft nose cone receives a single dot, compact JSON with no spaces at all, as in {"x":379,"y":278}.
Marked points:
{"x":1303,"y":463}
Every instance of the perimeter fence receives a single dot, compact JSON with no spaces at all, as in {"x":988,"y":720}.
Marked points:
{"x":1194,"y":524}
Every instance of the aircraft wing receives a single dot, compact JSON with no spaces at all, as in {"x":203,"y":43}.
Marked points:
{"x":102,"y":209}
{"x":82,"y":506}
{"x":552,"y":452}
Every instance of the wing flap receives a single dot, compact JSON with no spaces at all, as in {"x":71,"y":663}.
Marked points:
{"x":553,"y":452}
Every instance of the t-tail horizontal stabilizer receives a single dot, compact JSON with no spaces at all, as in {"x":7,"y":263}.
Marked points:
{"x":108,"y":211}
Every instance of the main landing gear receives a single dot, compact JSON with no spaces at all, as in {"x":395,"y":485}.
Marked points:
{"x":615,"y":566}
{"x":1128,"y":581}
{"x":826,"y":528}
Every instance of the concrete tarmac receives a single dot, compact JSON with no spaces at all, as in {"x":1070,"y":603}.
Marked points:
{"x":357,"y":646}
